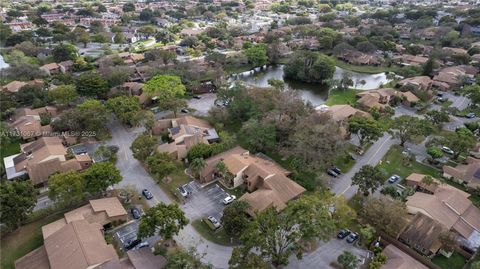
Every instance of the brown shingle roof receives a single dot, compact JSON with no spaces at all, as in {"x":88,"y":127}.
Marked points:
{"x":422,"y":234}
{"x":465,"y":172}
{"x":143,"y":258}
{"x":397,"y":259}
{"x":36,"y":259}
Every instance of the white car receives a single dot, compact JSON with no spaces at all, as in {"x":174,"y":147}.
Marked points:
{"x":448,"y":150}
{"x":229,"y":199}
{"x":214,"y":221}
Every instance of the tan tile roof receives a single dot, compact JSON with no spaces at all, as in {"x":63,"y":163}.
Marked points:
{"x":51,"y":66}
{"x":207,"y":172}
{"x":143,"y":258}
{"x":13,"y":86}
{"x":111,"y":206}
{"x":36,"y":259}
{"x":192,"y":121}
{"x":343,"y":112}
{"x":78,"y":245}
{"x":465,"y":172}
{"x":423,"y":233}
{"x":415,"y":179}
{"x":397,"y":259}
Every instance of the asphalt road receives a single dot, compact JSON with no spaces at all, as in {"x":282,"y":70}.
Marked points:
{"x":134,"y":173}
{"x":342,"y":184}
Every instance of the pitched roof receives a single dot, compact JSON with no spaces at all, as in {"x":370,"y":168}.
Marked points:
{"x":36,"y":259}
{"x":415,"y":179}
{"x":78,"y":245}
{"x":143,"y":258}
{"x":469,"y":172}
{"x":423,"y":233}
{"x":397,"y":259}
{"x":343,"y":112}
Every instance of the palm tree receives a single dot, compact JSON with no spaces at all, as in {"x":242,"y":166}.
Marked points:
{"x":222,"y":170}
{"x":197,"y":165}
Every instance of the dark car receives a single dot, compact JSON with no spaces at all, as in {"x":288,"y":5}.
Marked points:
{"x":197,"y":97}
{"x":132,"y":244}
{"x":147,"y":194}
{"x":336,"y":170}
{"x":343,"y":233}
{"x":184,"y":110}
{"x":471,"y":115}
{"x":136,"y":213}
{"x":332,"y":173}
{"x":352,"y":237}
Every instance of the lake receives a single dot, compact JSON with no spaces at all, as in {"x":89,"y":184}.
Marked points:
{"x":315,"y":93}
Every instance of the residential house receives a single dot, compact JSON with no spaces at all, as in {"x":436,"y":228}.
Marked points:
{"x":380,"y":98}
{"x":342,"y":113}
{"x":468,"y":173}
{"x":27,"y":122}
{"x":397,"y":259}
{"x":455,"y":75}
{"x":422,"y":234}
{"x":454,"y":51}
{"x":360,"y":58}
{"x":77,"y":240}
{"x":407,"y":59}
{"x":185,"y":132}
{"x":419,"y":83}
{"x":191,"y":32}
{"x":51,"y":69}
{"x":452,"y":209}
{"x":135,"y":89}
{"x":16,"y":85}
{"x":415,"y":181}
{"x":267,"y":182}
{"x":42,"y":158}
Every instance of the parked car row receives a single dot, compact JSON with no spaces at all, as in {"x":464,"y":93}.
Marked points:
{"x":351,"y":236}
{"x":135,"y":244}
{"x":334,"y":171}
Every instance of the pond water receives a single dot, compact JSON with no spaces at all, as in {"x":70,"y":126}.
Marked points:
{"x":315,"y":93}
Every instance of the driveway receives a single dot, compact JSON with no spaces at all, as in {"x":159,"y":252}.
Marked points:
{"x":326,"y":253}
{"x":134,"y":173}
{"x":202,"y":105}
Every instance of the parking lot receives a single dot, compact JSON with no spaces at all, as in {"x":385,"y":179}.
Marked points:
{"x":126,"y":234}
{"x":204,"y":202}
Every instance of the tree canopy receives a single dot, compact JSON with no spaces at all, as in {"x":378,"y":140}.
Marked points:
{"x":17,"y":200}
{"x":162,"y":219}
{"x":310,"y":67}
{"x":165,"y":87}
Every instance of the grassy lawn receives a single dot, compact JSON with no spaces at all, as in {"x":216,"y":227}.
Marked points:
{"x":340,"y":97}
{"x":178,"y":178}
{"x":393,"y":163}
{"x":219,"y":236}
{"x":230,"y":69}
{"x":23,"y":240}
{"x":456,"y":261}
{"x":8,"y":149}
{"x":363,"y":68}
{"x":344,"y":163}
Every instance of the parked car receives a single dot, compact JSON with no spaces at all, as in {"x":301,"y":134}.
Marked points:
{"x":132,"y":244}
{"x":142,"y":245}
{"x":214,"y":221}
{"x":442,"y":99}
{"x":147,"y":194}
{"x":343,"y":233}
{"x":136,"y":213}
{"x":332,"y":173}
{"x":183,"y":191}
{"x":229,"y":199}
{"x":184,"y":110}
{"x":470,"y":115}
{"x":336,"y":170}
{"x":439,"y":94}
{"x":352,"y":237}
{"x":197,"y":97}
{"x":448,"y":150}
{"x":393,"y":179}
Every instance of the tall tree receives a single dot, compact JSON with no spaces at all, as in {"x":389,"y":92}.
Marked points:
{"x":234,"y":218}
{"x":257,"y":55}
{"x":125,"y":108}
{"x":406,"y":128}
{"x":161,"y":165}
{"x":63,"y":94}
{"x":437,"y":117}
{"x":385,"y":215}
{"x":310,"y":67}
{"x":259,"y":136}
{"x":67,"y":187}
{"x":98,"y":177}
{"x":196,"y":166}
{"x":367,"y":130}
{"x":93,"y":115}
{"x":91,"y":84}
{"x":162,"y":219}
{"x":64,"y":52}
{"x":165,"y":87}
{"x":242,"y":259}
{"x":460,"y":141}
{"x":143,"y":146}
{"x":276,"y":235}
{"x":368,"y":179}
{"x":17,"y":200}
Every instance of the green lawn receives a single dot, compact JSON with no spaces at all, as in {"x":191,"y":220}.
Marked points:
{"x":23,"y":240}
{"x":456,"y":261}
{"x":363,"y":68}
{"x":340,"y":97}
{"x":344,"y":163}
{"x":393,"y":163}
{"x":219,"y":236}
{"x":8,"y":149}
